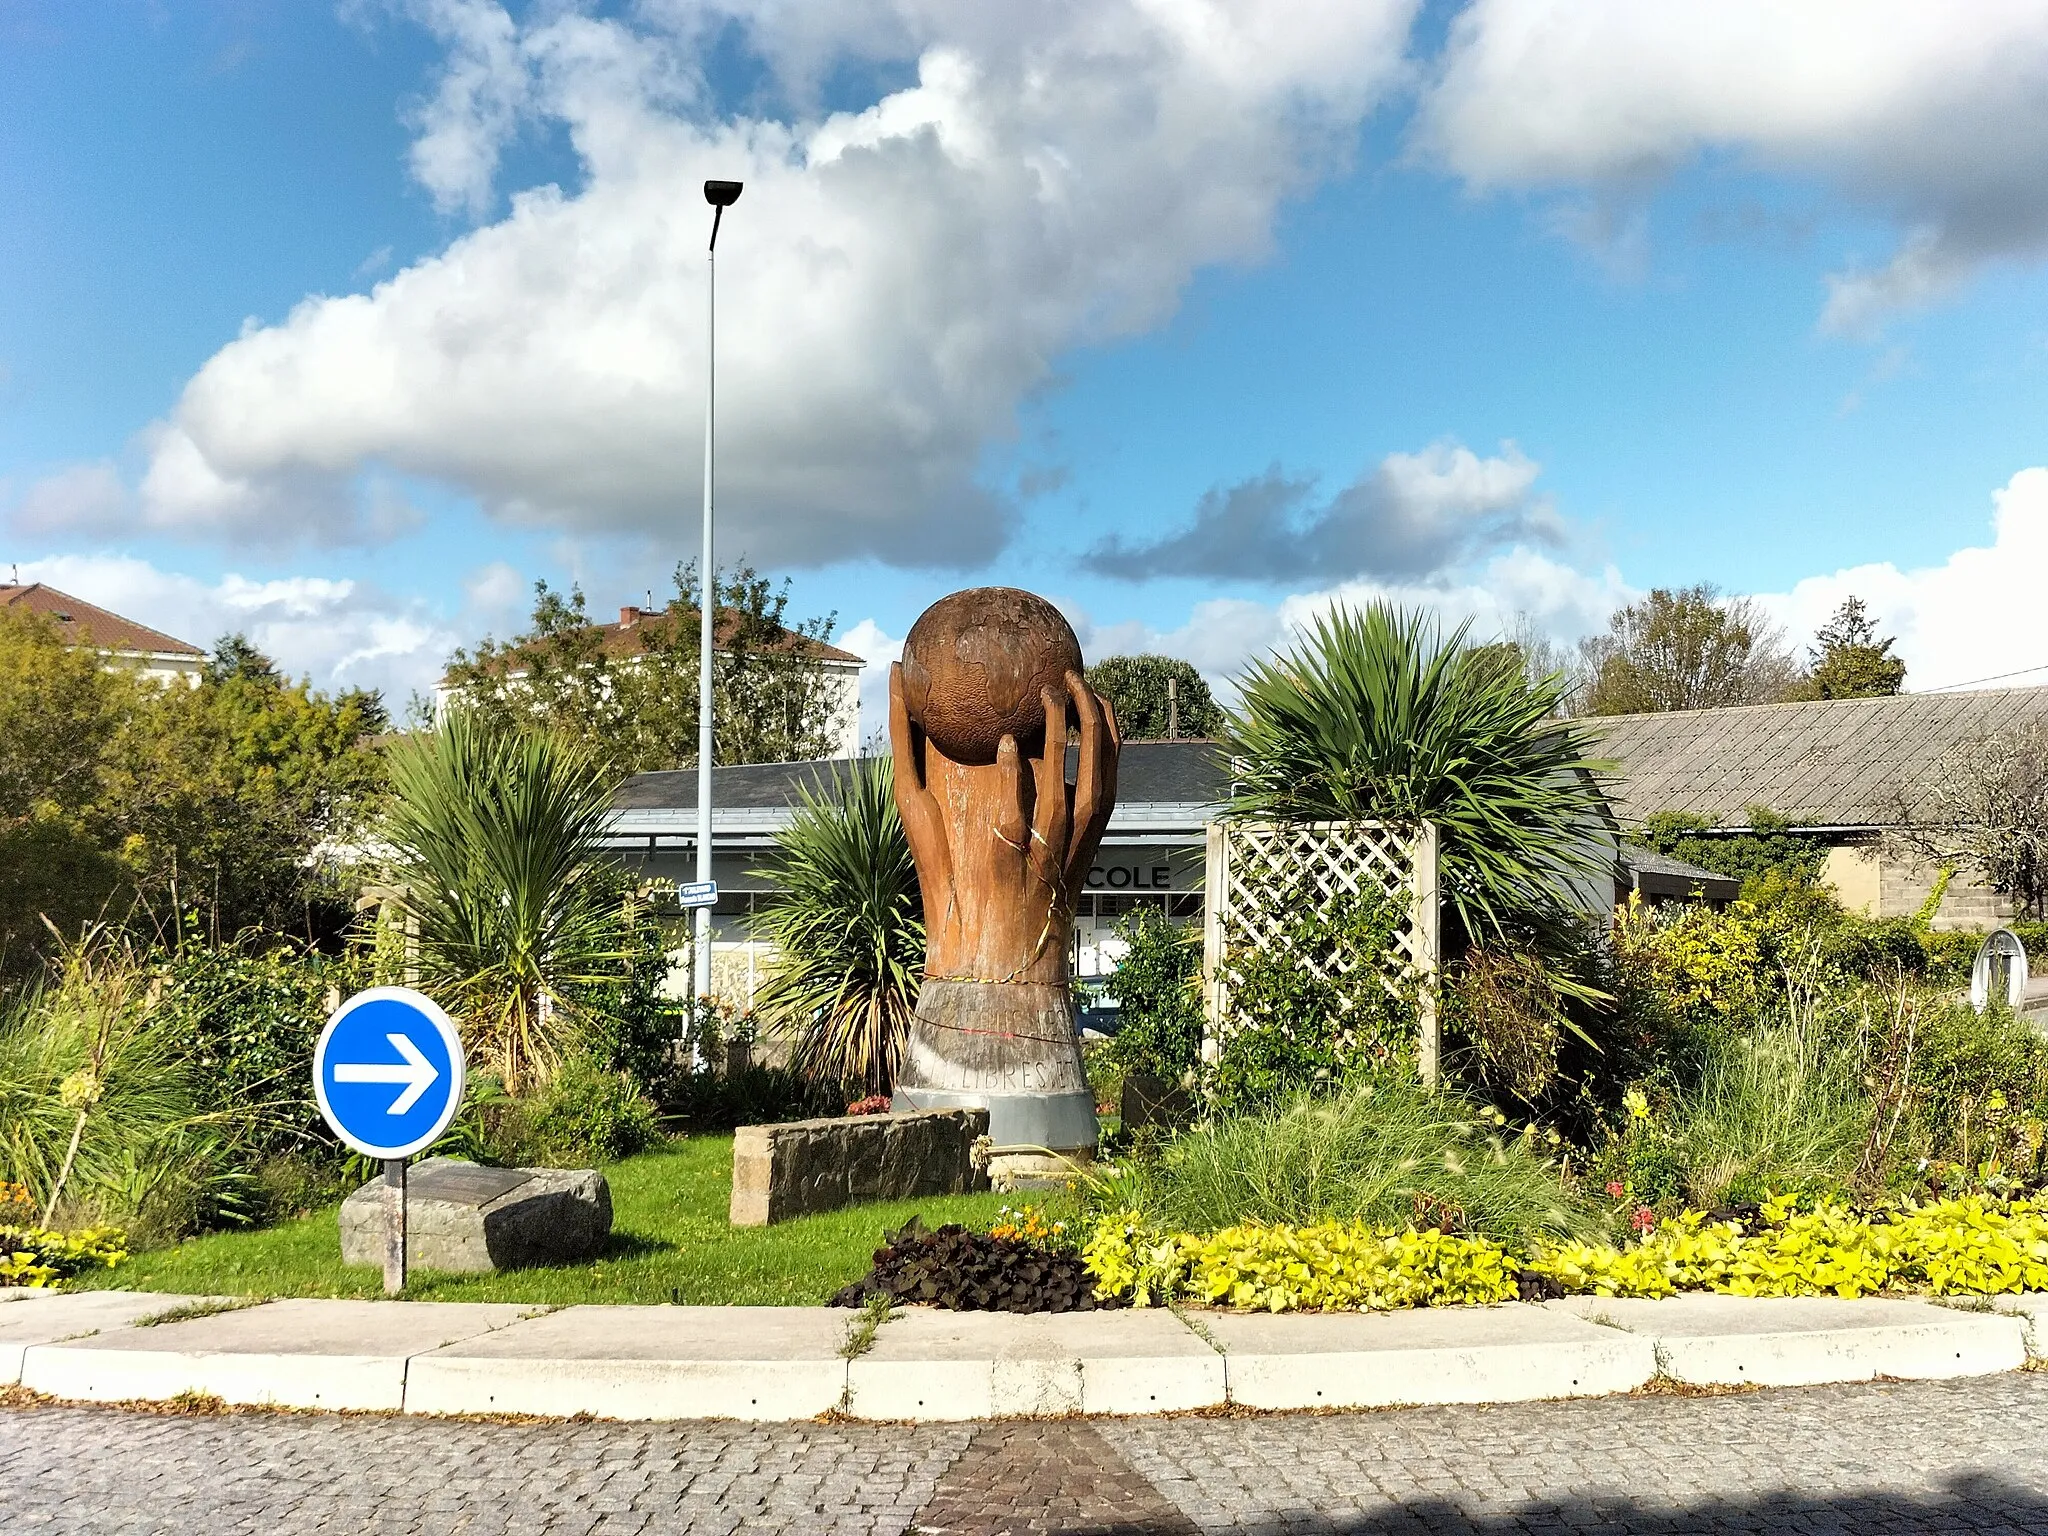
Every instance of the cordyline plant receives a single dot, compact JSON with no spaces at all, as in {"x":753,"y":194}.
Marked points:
{"x":1378,"y":716}
{"x":494,"y":846}
{"x":850,"y":944}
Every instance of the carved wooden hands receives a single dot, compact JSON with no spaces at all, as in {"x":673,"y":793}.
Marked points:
{"x":1003,"y":848}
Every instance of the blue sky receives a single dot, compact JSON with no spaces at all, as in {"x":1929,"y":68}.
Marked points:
{"x":1509,"y":307}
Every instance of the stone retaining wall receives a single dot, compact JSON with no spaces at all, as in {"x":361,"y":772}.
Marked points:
{"x":807,"y":1166}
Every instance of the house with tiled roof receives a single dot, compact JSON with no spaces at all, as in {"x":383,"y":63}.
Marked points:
{"x":1846,"y":770}
{"x":639,"y":628}
{"x":123,"y":642}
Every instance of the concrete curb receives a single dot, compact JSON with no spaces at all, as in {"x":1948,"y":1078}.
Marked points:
{"x":1506,"y":1354}
{"x":283,"y":1354}
{"x":765,"y":1363}
{"x":790,"y":1363}
{"x":988,"y":1365}
{"x":42,"y":1317}
{"x":1797,"y":1341}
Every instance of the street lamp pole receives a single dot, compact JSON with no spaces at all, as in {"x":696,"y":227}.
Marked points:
{"x":721,"y":195}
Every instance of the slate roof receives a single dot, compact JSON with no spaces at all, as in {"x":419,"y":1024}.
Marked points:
{"x":83,"y":623}
{"x":1829,"y":763}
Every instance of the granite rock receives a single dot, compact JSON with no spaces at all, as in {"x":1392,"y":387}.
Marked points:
{"x":807,"y":1166}
{"x":469,"y":1219}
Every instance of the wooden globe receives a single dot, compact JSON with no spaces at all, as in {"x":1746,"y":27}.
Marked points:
{"x":973,"y":665}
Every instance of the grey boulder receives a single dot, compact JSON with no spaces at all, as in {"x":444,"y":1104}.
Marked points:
{"x":472,"y":1220}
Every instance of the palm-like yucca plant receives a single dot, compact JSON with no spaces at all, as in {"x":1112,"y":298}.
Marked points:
{"x":494,"y":843}
{"x":96,"y":1103}
{"x":846,"y":927}
{"x":1376,"y":715}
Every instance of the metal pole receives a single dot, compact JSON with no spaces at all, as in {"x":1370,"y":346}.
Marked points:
{"x":707,"y":602}
{"x":394,"y":1225}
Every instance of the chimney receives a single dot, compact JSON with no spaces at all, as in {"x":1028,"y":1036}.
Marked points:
{"x":628,"y":617}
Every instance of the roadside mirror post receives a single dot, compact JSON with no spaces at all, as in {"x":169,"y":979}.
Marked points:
{"x":388,"y":1075}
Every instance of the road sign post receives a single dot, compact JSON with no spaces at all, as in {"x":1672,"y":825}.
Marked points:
{"x":388,"y":1076}
{"x":394,"y":1225}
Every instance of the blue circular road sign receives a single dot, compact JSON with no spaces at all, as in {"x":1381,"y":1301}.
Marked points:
{"x":388,"y":1072}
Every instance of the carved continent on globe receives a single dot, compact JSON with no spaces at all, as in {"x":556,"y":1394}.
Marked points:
{"x":973,"y":665}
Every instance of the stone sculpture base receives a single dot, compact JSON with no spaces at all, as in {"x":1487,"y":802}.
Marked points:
{"x":807,"y":1166}
{"x":473,"y":1220}
{"x":1012,"y":1049}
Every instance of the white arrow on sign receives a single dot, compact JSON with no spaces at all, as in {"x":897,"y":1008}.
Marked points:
{"x":416,"y":1072}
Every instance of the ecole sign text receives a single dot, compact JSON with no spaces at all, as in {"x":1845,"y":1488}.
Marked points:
{"x":1129,"y":877}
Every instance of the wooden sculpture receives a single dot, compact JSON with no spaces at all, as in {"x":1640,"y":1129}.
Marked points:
{"x":980,"y":712}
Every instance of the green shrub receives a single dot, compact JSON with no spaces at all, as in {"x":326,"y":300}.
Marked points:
{"x":588,"y":1114}
{"x":629,"y":1023}
{"x":1503,"y":1005}
{"x":1969,"y":1247}
{"x":1158,"y":989}
{"x":1288,"y":1029}
{"x":1385,"y":1152}
{"x":245,"y":1016}
{"x":706,"y":1102}
{"x":1770,"y":845}
{"x":1979,"y":1085}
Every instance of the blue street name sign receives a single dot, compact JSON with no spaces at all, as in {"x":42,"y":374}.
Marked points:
{"x":388,"y":1072}
{"x":698,"y":893}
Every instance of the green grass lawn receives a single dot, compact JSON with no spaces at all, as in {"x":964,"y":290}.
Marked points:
{"x":670,"y":1242}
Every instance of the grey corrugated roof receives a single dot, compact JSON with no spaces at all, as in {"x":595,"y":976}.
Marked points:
{"x":1148,"y":772}
{"x":1659,"y":874}
{"x":1828,"y":763}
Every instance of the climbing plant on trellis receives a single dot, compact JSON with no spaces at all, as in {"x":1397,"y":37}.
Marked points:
{"x":1261,"y":875}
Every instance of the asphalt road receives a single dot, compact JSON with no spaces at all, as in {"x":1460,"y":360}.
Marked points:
{"x":1882,"y":1458}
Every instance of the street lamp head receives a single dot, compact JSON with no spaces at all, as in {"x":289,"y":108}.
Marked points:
{"x":721,"y":195}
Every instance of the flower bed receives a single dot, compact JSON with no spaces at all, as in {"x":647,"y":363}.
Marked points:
{"x":32,"y":1256}
{"x":1967,"y":1246}
{"x":1017,"y":1267}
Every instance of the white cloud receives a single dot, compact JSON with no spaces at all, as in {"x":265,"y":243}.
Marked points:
{"x":1976,"y":615}
{"x":77,"y":499}
{"x":1932,"y":116}
{"x":1413,"y":514}
{"x":1222,"y":634}
{"x":894,"y":282}
{"x":342,"y":634}
{"x":878,"y":648}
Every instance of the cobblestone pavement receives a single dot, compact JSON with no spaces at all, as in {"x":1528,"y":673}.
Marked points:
{"x":1884,"y":1458}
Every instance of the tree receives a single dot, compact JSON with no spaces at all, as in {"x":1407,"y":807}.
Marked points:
{"x":633,"y":703}
{"x":1849,"y":661}
{"x":1377,"y":715}
{"x":1138,"y":688}
{"x":849,"y":943}
{"x":496,"y":852}
{"x":1985,"y":809}
{"x":1688,"y":648}
{"x":226,"y":802}
{"x":232,"y":799}
{"x":59,"y":708}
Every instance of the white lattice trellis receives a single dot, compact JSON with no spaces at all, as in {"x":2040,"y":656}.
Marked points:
{"x":1259,"y":872}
